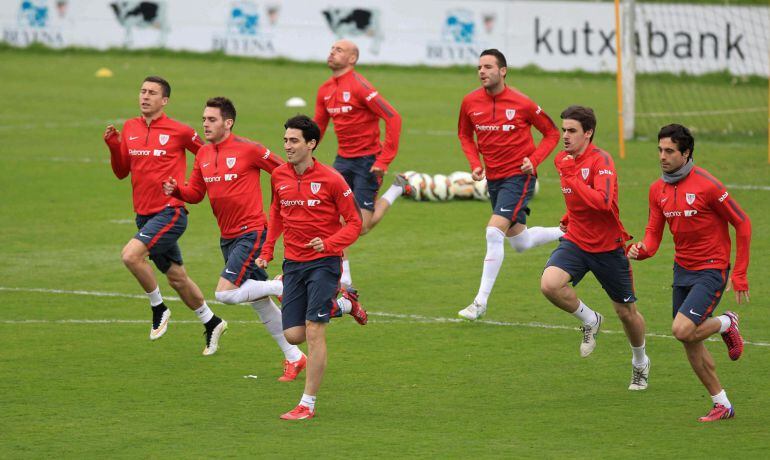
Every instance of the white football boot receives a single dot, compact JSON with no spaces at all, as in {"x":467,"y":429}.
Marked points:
{"x":159,"y":322}
{"x":213,"y":335}
{"x":639,"y":377}
{"x":473,"y":311}
{"x":589,"y":336}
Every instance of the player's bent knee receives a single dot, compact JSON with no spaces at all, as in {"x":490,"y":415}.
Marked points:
{"x":549,"y":286}
{"x":131,"y":257}
{"x":683,"y":333}
{"x":294,"y":335}
{"x":228,"y":297}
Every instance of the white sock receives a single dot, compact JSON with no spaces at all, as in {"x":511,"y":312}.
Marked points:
{"x":721,"y":398}
{"x":726,"y":323}
{"x":346,"y":280}
{"x":155,"y":297}
{"x":534,"y":236}
{"x":639,"y":356}
{"x":493,"y":260}
{"x":345,"y":305}
{"x":393,"y":193}
{"x":204,"y":313}
{"x":251,"y":290}
{"x":585,"y":314}
{"x":270,"y":316}
{"x":307,"y":401}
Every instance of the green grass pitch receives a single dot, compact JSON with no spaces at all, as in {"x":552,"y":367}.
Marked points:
{"x":79,"y":377}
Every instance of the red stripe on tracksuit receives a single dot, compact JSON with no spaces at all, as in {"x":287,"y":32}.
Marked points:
{"x":335,"y":307}
{"x":164,"y":229}
{"x":717,"y":295}
{"x":248,"y":260}
{"x":521,"y":200}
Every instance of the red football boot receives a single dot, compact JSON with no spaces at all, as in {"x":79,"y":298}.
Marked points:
{"x":291,"y":369}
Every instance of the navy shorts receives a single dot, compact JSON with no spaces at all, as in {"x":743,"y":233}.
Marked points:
{"x":240,"y":253}
{"x":697,"y":292}
{"x":611,"y":269}
{"x":310,"y":290}
{"x":160,"y":233}
{"x":511,"y":195}
{"x":363,"y":183}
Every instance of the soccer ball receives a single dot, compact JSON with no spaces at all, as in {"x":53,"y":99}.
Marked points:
{"x":480,"y":191}
{"x":461,"y":184}
{"x":416,"y":182}
{"x":441,"y":188}
{"x":427,"y":188}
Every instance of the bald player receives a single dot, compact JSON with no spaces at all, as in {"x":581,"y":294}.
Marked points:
{"x":356,"y":108}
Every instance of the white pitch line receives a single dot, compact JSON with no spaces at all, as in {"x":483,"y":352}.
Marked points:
{"x":411,"y":318}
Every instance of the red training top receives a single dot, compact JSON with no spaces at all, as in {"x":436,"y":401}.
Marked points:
{"x":152,"y":153}
{"x":308,"y":206}
{"x":502,"y":125}
{"x":697,"y":209}
{"x":356,"y":108}
{"x":229,"y":172}
{"x":590,"y":188}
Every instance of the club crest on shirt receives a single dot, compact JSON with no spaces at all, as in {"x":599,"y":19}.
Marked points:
{"x":230,"y":162}
{"x":510,"y":113}
{"x":315,"y":187}
{"x":689,"y":197}
{"x":346,"y":96}
{"x":163,"y":139}
{"x":584,"y":172}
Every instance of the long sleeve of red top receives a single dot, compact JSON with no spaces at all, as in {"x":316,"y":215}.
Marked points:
{"x":195,"y":189}
{"x":118,"y":156}
{"x":729,"y":210}
{"x":383,"y":109}
{"x":274,"y":227}
{"x":467,"y":139}
{"x":543,"y":123}
{"x":653,"y":233}
{"x":321,"y":115}
{"x":600,"y":197}
{"x":349,"y":232}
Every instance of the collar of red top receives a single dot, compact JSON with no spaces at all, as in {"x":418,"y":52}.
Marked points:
{"x":588,"y":151}
{"x":227,"y":140}
{"x":162,"y":117}
{"x":344,"y":75}
{"x":505,"y":88}
{"x":309,"y":169}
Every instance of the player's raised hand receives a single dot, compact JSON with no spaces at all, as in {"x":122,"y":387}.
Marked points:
{"x":169,"y":186}
{"x":261,"y":263}
{"x":478,"y":173}
{"x":633,"y":250}
{"x":317,"y":244}
{"x":527,"y":167}
{"x":110,"y":131}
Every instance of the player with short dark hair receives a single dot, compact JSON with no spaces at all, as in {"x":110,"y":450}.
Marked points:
{"x":495,"y":122}
{"x":152,"y":148}
{"x":228,"y":169}
{"x":356,"y":108}
{"x":310,"y":201}
{"x":698,"y":208}
{"x":594,"y":241}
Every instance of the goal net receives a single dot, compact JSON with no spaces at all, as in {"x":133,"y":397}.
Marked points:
{"x":702,"y":65}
